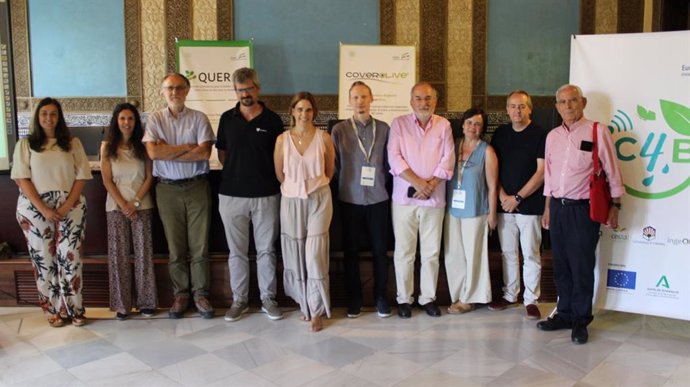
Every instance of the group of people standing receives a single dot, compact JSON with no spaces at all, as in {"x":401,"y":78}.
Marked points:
{"x":445,"y":189}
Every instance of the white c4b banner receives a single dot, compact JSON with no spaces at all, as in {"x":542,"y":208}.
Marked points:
{"x":639,"y":85}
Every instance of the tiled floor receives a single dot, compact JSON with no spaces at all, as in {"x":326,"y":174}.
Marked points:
{"x":479,"y":348}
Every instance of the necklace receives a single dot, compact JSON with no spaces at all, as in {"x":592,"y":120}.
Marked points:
{"x":300,"y":136}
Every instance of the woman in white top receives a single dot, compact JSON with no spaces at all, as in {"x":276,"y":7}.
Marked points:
{"x":305,"y":161}
{"x":50,"y":167}
{"x":127,"y":175}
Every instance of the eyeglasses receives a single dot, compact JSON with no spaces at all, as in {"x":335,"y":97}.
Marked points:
{"x":245,"y":90}
{"x":174,"y":88}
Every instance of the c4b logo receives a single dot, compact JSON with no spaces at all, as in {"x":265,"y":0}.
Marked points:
{"x":663,"y":282}
{"x":664,"y":154}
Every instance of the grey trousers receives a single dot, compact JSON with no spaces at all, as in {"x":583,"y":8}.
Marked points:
{"x":263,"y":212}
{"x":304,"y":240}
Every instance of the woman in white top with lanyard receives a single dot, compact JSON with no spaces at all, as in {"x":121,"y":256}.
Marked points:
{"x":471,"y":201}
{"x":304,"y":159}
{"x":127,"y":175}
{"x":50,"y":167}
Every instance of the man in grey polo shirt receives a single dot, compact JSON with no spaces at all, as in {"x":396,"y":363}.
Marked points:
{"x":179,"y":140}
{"x":361,"y":172}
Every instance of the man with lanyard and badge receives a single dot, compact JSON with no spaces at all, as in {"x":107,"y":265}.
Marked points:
{"x":360,"y":174}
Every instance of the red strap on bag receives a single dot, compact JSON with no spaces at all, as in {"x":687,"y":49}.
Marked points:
{"x":599,"y":191}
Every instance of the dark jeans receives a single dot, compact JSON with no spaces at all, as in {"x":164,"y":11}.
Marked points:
{"x":373,"y":219}
{"x":574,"y":238}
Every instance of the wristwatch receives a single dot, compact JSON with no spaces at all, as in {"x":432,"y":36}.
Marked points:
{"x":518,"y":198}
{"x":136,"y":203}
{"x":617,"y":205}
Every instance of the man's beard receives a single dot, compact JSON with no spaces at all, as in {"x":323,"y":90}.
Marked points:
{"x":247,"y":101}
{"x":423,"y":115}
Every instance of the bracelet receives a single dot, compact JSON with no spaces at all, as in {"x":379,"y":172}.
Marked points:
{"x":518,"y":198}
{"x":617,"y":205}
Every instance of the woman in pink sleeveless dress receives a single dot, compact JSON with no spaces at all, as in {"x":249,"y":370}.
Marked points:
{"x":304,"y":161}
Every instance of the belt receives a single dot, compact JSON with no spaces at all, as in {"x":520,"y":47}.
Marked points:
{"x":181,"y":181}
{"x":571,"y":202}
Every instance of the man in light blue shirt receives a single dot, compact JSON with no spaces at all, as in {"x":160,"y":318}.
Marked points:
{"x":179,"y":140}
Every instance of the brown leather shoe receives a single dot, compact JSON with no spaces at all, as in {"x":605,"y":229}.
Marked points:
{"x":533,"y":312}
{"x":500,"y":304}
{"x":204,"y":307}
{"x":178,"y":307}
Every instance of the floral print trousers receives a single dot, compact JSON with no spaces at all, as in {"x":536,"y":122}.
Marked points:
{"x":55,"y":252}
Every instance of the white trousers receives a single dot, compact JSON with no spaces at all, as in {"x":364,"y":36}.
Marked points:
{"x":515,"y":231}
{"x":465,"y":242}
{"x":407,"y":222}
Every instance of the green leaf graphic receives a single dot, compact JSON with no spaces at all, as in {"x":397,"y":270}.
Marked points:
{"x":677,"y":116}
{"x":646,"y":115}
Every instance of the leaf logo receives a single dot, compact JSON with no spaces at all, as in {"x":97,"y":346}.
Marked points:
{"x":677,"y":116}
{"x":189,"y":74}
{"x":645,"y":115}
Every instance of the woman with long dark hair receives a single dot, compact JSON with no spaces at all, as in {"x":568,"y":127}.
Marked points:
{"x":127,"y":175}
{"x":305,"y":162}
{"x":50,"y":167}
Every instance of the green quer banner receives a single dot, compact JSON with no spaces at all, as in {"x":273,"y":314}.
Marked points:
{"x":209,"y":65}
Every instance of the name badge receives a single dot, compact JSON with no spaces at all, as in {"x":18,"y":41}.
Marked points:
{"x":458,"y":199}
{"x":367,"y":178}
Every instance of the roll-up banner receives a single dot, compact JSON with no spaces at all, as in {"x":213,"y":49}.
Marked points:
{"x":639,"y":85}
{"x":209,"y":65}
{"x":390,"y":72}
{"x":4,"y":118}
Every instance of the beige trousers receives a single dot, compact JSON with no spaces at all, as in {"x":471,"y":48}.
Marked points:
{"x":465,"y":243}
{"x":407,"y":222}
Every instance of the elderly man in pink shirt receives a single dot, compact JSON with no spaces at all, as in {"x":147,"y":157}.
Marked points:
{"x":421,"y":157}
{"x":574,"y":236}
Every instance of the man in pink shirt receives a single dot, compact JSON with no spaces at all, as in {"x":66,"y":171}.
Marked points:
{"x":574,"y":236}
{"x":421,"y":157}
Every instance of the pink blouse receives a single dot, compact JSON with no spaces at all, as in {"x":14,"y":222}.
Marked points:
{"x":304,"y":173}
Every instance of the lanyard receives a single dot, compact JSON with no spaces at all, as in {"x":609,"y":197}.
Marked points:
{"x":367,"y":155}
{"x":461,"y":163}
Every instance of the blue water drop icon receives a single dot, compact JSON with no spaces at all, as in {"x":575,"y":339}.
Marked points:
{"x":665,"y":169}
{"x":647,"y":181}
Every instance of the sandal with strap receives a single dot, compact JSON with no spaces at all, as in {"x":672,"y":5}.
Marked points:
{"x":460,"y":308}
{"x":56,"y":321}
{"x":78,"y":321}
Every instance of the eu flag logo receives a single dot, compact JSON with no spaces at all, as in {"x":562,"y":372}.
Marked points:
{"x":621,"y":279}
